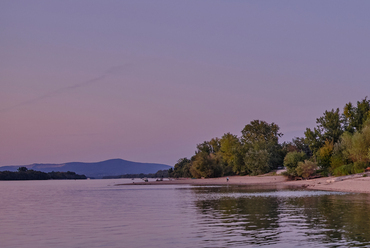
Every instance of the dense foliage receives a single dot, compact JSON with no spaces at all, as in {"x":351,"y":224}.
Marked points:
{"x":257,"y":151}
{"x":341,"y":141}
{"x":158,"y":174}
{"x":291,"y":161}
{"x":338,"y":145}
{"x":24,"y":174}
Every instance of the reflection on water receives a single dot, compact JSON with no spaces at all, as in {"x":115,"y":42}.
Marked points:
{"x":285,"y":217}
{"x":96,"y":213}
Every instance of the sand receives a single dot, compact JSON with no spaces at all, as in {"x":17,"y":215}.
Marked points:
{"x":354,"y":183}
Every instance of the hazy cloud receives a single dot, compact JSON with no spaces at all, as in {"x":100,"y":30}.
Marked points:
{"x":110,"y":71}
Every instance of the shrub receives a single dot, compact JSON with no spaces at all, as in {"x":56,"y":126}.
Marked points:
{"x":306,"y":168}
{"x":349,"y":169}
{"x":256,"y":162}
{"x":324,"y":154}
{"x":205,"y":165}
{"x":343,"y":170}
{"x":339,"y":156}
{"x":358,"y":144}
{"x":291,"y":161}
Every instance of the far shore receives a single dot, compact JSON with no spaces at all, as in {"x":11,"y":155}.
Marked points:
{"x":356,"y":183}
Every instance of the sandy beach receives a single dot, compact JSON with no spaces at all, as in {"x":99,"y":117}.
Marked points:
{"x":354,"y":183}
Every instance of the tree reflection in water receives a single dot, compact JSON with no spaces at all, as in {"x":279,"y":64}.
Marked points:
{"x":260,"y":216}
{"x":337,"y":219}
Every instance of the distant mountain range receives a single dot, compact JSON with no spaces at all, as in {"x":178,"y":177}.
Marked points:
{"x":112,"y":167}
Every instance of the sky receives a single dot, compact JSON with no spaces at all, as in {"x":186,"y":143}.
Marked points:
{"x":146,"y":81}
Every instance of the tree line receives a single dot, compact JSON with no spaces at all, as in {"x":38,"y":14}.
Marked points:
{"x":24,"y":174}
{"x":158,"y":174}
{"x":338,"y":145}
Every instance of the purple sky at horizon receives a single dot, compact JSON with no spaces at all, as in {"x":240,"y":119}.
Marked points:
{"x":148,"y":80}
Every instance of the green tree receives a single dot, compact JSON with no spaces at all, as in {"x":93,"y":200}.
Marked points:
{"x":206,"y":162}
{"x":329,"y":127}
{"x":205,"y":165}
{"x":260,"y":131}
{"x":182,"y":168}
{"x":357,"y":145}
{"x":313,"y":139}
{"x":231,"y":154}
{"x":355,"y":117}
{"x":324,"y":155}
{"x":306,"y":168}
{"x":291,"y":161}
{"x":338,"y":156}
{"x":257,"y":161}
{"x":302,"y":146}
{"x":260,"y":140}
{"x":351,"y":155}
{"x":209,"y":147}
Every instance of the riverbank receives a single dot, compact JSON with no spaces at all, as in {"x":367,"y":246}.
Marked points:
{"x":354,"y":183}
{"x":233,"y":180}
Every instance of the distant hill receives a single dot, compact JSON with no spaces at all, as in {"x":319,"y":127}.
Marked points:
{"x":112,"y":167}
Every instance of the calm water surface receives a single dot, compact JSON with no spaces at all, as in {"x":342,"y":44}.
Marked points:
{"x":96,"y":213}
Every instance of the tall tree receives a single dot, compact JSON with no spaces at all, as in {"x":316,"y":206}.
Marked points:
{"x":357,"y":145}
{"x":206,"y":161}
{"x":231,"y":154}
{"x":209,"y":147}
{"x":298,"y":144}
{"x":257,"y":161}
{"x":260,"y":141}
{"x":291,"y":161}
{"x":181,"y":168}
{"x":324,"y":155}
{"x":355,"y":117}
{"x":329,"y":128}
{"x":260,"y":131}
{"x":330,"y":125}
{"x":206,"y":165}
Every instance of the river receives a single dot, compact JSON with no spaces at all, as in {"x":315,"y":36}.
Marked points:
{"x":97,"y":213}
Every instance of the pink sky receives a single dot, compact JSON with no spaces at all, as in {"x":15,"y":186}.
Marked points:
{"x":148,"y":80}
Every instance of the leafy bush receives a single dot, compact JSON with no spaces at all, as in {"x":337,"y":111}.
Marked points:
{"x":306,"y":168}
{"x":349,"y":169}
{"x":206,"y":165}
{"x":291,"y":161}
{"x":343,"y":170}
{"x":324,"y":154}
{"x":181,"y":168}
{"x":358,"y":144}
{"x":257,"y":162}
{"x":339,"y":156}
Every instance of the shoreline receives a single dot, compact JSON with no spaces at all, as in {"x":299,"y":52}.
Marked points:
{"x":354,"y":183}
